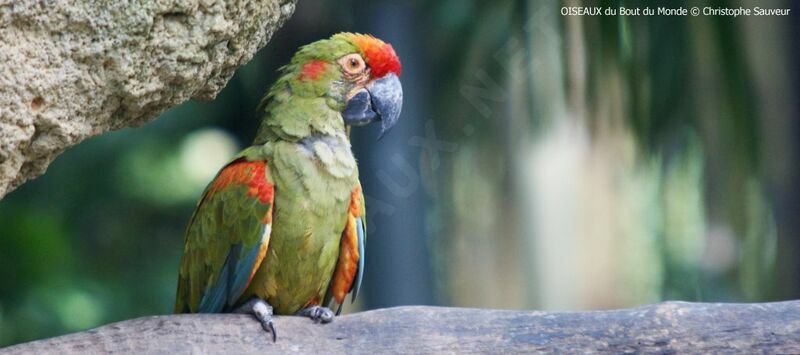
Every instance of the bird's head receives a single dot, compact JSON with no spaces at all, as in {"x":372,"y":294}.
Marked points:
{"x":357,"y":75}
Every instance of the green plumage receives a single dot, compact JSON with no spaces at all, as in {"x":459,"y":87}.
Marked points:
{"x":310,"y":214}
{"x":304,"y":145}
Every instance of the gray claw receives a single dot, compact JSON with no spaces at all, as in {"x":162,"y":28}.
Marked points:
{"x":263,"y":312}
{"x":317,"y":314}
{"x":270,"y":327}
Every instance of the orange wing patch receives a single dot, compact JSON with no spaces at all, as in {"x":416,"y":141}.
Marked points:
{"x":355,"y":202}
{"x":262,"y":248}
{"x":347,"y":266}
{"x":254,"y":175}
{"x":250,"y":173}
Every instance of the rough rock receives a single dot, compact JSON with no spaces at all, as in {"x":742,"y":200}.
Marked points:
{"x":70,"y":70}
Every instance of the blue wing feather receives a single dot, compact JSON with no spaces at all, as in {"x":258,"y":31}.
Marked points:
{"x":362,"y":241}
{"x":244,"y":269}
{"x":233,"y":278}
{"x":217,"y":293}
{"x":227,"y":238}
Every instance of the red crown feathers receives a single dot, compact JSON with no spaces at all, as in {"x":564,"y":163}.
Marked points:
{"x":379,"y":55}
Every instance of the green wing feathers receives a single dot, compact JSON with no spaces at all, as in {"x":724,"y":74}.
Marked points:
{"x":350,"y":265}
{"x":227,"y":238}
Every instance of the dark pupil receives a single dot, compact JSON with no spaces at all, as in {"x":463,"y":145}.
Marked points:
{"x":353,"y":63}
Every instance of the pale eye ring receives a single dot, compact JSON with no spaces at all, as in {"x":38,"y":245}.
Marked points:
{"x":352,"y":63}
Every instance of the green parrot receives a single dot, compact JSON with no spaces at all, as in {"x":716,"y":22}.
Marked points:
{"x":281,"y":228}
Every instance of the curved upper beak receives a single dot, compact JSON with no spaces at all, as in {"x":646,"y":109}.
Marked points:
{"x":382,"y":99}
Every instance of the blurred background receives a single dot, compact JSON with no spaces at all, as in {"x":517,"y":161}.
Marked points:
{"x":541,"y":162}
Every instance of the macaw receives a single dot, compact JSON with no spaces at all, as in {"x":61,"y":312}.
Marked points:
{"x":281,"y":229}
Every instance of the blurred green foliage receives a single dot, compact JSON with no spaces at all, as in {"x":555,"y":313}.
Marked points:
{"x":624,"y":155}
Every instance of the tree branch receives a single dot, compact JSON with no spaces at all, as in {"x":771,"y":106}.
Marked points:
{"x":662,"y":328}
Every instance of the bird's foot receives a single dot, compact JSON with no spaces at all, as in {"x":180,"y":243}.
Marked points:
{"x":317,"y":314}
{"x":262,"y":311}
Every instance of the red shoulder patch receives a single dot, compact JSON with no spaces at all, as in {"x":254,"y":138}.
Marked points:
{"x":312,"y":70}
{"x":250,"y":173}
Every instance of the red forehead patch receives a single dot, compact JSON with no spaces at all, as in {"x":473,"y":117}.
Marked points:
{"x":379,"y":55}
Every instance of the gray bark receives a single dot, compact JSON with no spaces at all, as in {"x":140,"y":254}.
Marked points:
{"x":672,"y":327}
{"x":70,"y":69}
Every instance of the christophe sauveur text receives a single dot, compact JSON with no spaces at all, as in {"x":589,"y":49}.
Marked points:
{"x":670,"y":11}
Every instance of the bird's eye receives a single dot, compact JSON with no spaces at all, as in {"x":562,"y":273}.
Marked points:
{"x":352,"y":63}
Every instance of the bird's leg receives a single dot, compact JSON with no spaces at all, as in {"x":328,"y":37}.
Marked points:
{"x":317,"y":314}
{"x":262,"y":311}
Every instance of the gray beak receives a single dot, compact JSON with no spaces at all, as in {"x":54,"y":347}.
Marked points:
{"x":382,"y":100}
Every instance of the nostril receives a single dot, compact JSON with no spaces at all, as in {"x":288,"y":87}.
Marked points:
{"x":36,"y":104}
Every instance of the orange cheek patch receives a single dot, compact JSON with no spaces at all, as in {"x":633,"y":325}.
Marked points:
{"x":312,"y":70}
